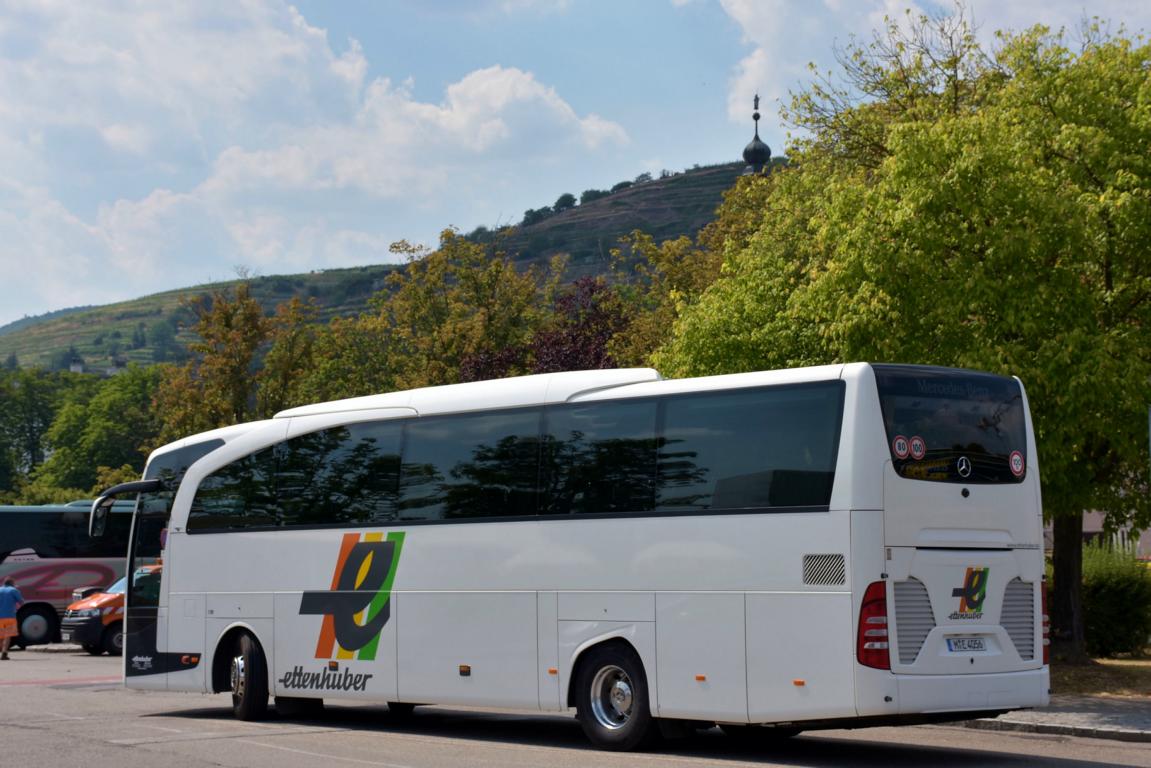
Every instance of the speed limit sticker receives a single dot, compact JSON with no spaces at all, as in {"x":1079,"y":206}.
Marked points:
{"x":900,"y":447}
{"x":918,"y":448}
{"x":1017,"y":463}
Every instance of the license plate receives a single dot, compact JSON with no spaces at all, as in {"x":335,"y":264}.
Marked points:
{"x":66,"y":637}
{"x":966,"y":644}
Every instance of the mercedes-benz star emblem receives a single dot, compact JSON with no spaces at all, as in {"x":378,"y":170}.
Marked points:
{"x":964,"y":466}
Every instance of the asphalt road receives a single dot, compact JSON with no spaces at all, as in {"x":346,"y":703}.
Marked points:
{"x":70,"y":710}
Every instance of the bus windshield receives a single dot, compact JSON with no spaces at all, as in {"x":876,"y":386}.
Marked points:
{"x":953,"y":426}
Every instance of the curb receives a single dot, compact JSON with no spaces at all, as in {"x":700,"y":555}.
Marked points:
{"x":1081,"y":731}
{"x":54,"y":648}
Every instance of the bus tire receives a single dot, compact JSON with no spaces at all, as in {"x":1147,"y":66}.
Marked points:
{"x":94,"y":650}
{"x":249,"y":679}
{"x":37,"y":625}
{"x":611,"y":698}
{"x":113,"y":639}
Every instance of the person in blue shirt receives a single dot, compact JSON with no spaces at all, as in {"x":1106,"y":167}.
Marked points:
{"x":10,"y":602}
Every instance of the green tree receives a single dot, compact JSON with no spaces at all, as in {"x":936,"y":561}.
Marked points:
{"x":455,"y":303}
{"x":111,"y":428}
{"x":564,"y":202}
{"x":163,"y":340}
{"x":352,"y":357}
{"x":293,"y":334}
{"x":591,"y":195}
{"x":217,"y":387}
{"x":986,"y":211}
{"x":657,"y":281}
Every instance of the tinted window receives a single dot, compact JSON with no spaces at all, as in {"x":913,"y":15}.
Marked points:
{"x":239,"y":495}
{"x":114,"y":542}
{"x":171,"y":467}
{"x":950,"y":425}
{"x":744,"y":449}
{"x":345,"y":475}
{"x":600,"y":457}
{"x":62,"y":533}
{"x":472,"y":465}
{"x":750,"y":448}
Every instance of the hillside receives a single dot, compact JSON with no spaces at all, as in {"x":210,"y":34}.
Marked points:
{"x":680,"y":204}
{"x":156,"y":328}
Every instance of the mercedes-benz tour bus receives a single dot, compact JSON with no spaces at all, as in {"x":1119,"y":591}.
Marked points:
{"x":835,"y":546}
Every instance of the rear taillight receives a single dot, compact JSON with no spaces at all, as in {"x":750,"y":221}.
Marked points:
{"x":1046,"y":618}
{"x":871,"y":646}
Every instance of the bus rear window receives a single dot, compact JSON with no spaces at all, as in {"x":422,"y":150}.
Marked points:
{"x":953,"y":426}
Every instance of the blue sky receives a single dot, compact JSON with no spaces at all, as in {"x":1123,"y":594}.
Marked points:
{"x":148,"y":145}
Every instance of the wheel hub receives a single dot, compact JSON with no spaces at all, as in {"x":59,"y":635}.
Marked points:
{"x":34,"y":628}
{"x":238,"y":676}
{"x":612,"y":697}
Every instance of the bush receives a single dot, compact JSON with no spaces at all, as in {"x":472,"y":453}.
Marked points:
{"x":1116,"y":600}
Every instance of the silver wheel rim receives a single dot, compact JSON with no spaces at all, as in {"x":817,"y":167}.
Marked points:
{"x":612,"y":697}
{"x":238,"y":676}
{"x":118,"y":641}
{"x":34,"y":628}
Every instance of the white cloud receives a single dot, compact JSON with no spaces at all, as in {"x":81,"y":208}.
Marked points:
{"x":135,"y":139}
{"x":786,"y":36}
{"x":259,"y":142}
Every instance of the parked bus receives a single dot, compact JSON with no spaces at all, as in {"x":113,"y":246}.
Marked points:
{"x":47,"y":551}
{"x":835,"y":546}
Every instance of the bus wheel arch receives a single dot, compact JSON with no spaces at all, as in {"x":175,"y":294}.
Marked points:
{"x":221,"y":680}
{"x":609,"y":689}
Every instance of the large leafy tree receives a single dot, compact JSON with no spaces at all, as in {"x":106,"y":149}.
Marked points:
{"x":245,"y":365}
{"x":983,"y":210}
{"x":217,"y":386}
{"x":458,"y":304}
{"x":109,"y":430}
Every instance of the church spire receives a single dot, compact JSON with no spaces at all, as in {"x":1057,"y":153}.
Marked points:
{"x":756,"y":154}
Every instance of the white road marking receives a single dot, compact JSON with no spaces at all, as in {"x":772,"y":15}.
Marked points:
{"x":325,"y":755}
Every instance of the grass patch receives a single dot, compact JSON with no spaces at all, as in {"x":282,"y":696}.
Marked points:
{"x":1103,"y":677}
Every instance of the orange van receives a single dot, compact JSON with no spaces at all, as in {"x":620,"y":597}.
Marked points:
{"x":96,"y":622}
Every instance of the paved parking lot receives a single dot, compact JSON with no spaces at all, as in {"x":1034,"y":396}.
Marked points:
{"x":69,"y":709}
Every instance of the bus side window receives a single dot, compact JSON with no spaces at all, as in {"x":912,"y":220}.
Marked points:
{"x":471,"y":465}
{"x":600,"y":457}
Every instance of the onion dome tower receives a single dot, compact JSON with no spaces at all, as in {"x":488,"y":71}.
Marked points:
{"x":756,"y":154}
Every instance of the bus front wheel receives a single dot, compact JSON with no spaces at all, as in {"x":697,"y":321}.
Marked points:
{"x":612,"y":700}
{"x":249,"y":679}
{"x":37,"y":625}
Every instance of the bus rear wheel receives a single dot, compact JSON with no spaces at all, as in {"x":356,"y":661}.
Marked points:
{"x":249,"y":679}
{"x":612,"y":700}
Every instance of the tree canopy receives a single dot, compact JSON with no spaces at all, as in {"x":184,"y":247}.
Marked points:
{"x":983,"y":210}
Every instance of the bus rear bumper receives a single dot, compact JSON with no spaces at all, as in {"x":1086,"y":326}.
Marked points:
{"x":957,"y":693}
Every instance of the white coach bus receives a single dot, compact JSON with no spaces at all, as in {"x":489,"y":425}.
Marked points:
{"x":836,"y":546}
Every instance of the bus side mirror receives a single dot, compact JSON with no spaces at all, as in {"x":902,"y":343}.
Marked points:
{"x":98,"y":520}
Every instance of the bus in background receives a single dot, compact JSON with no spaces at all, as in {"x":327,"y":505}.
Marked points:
{"x":47,"y":551}
{"x":836,"y":546}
